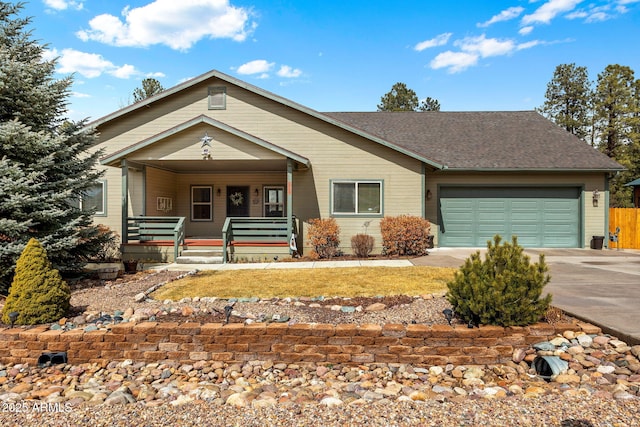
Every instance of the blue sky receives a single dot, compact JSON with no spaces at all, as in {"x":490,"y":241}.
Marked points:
{"x":336,"y":55}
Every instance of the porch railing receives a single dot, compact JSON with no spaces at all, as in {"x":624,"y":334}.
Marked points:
{"x":150,"y":228}
{"x":259,"y":230}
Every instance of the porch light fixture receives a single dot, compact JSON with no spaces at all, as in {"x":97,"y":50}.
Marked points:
{"x":219,"y":192}
{"x":256,"y":192}
{"x":596,"y":197}
{"x":429,"y":195}
{"x":206,"y":146}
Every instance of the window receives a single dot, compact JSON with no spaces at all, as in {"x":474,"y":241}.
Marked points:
{"x":217,"y":98}
{"x":201,"y":203}
{"x":273,"y":201}
{"x":93,"y":199}
{"x":357,"y":197}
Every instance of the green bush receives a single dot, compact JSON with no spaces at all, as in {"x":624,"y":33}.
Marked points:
{"x":324,"y":237}
{"x":37,"y":292}
{"x":404,"y":235}
{"x":503,"y":290}
{"x":362,"y":245}
{"x":106,"y":245}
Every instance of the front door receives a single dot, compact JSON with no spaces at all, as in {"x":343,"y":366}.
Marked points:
{"x":237,"y":200}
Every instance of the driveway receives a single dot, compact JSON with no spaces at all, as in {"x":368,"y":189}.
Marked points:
{"x":598,"y":286}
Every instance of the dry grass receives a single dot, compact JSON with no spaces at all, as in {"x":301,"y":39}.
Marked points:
{"x":344,"y":282}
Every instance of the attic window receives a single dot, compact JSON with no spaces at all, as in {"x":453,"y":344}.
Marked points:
{"x":217,"y":98}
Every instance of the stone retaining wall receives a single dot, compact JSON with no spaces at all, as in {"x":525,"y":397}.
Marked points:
{"x":318,"y":343}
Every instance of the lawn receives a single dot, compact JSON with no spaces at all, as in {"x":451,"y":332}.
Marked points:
{"x":282,"y":283}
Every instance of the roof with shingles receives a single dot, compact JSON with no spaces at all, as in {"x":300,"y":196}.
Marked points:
{"x":505,"y":140}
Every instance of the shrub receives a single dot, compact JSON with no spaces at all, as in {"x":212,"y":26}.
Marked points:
{"x":37,"y":292}
{"x":324,"y":236}
{"x":362,"y":245}
{"x":404,"y":235}
{"x":107,"y":245}
{"x":502,"y":290}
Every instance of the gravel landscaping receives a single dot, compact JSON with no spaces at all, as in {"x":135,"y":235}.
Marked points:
{"x":601,"y":386}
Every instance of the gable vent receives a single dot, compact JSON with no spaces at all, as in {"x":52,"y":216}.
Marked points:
{"x":217,"y":98}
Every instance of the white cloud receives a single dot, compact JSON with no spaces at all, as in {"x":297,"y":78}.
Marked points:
{"x":178,"y":25}
{"x":525,"y":30}
{"x":63,"y":4}
{"x":505,"y":15}
{"x":156,"y":75}
{"x":529,"y":45}
{"x":90,"y":65}
{"x":594,"y":13}
{"x":257,"y":66}
{"x":454,"y":61}
{"x":472,"y":49}
{"x":439,"y":40}
{"x":80,"y":95}
{"x":552,"y":8}
{"x":124,"y":72}
{"x":486,"y":47}
{"x":288,"y":72}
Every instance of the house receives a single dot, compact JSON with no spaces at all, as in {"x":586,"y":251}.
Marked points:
{"x":220,"y":161}
{"x":635,"y":197}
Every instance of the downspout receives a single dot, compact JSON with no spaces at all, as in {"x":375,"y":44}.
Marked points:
{"x":423,"y":196}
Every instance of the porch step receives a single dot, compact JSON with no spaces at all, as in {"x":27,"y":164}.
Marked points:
{"x":202,"y":252}
{"x":199,"y":260}
{"x":194,"y":256}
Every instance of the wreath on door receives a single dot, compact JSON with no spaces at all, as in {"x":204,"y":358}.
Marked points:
{"x":236,"y":198}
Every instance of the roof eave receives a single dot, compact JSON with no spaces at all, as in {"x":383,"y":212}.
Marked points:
{"x":564,"y":170}
{"x":114,"y":159}
{"x":266,"y":94}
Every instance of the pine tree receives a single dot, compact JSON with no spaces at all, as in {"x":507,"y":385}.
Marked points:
{"x":38,"y":294}
{"x":44,"y":160}
{"x":568,"y":99}
{"x":150,"y":87}
{"x":399,"y":98}
{"x":616,"y":114}
{"x":503,"y":290}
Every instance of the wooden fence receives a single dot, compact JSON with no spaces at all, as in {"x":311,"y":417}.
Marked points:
{"x":628,"y":220}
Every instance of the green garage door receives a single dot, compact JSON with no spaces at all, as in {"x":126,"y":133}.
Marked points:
{"x":539,"y":217}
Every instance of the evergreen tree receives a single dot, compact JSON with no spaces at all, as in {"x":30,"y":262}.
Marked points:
{"x":616,"y":115}
{"x":504,"y":289}
{"x":399,"y":98}
{"x":149,"y":88}
{"x":38,"y":294}
{"x":429,"y":104}
{"x":44,"y":160}
{"x":568,"y":99}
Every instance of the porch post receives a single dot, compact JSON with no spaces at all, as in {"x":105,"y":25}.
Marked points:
{"x":125,"y":199}
{"x":289,"y":200}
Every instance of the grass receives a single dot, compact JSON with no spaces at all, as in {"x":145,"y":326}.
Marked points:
{"x":343,"y":282}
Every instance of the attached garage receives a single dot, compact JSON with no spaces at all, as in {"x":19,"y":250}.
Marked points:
{"x":543,"y":217}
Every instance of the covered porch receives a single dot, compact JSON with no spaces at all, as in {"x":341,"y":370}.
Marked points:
{"x":204,"y":186}
{"x":244,"y":239}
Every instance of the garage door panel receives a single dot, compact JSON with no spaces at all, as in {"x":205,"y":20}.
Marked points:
{"x":524,"y":205}
{"x":531,"y":241}
{"x":539,"y":217}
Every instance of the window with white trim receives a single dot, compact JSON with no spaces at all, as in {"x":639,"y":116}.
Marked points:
{"x":356,"y":197}
{"x":201,"y":203}
{"x":273,"y":201}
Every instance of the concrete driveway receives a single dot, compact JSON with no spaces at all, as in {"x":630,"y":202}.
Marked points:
{"x":598,"y":286}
